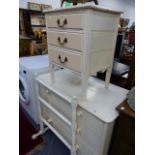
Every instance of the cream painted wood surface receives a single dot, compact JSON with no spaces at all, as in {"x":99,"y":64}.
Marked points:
{"x":68,"y":84}
{"x":65,"y":40}
{"x":65,"y":58}
{"x":55,"y":101}
{"x":101,"y":41}
{"x":93,"y":123}
{"x":99,"y":59}
{"x":96,"y":31}
{"x":103,"y":21}
{"x":57,"y":123}
{"x":90,"y":132}
{"x":83,"y":148}
{"x":93,"y":118}
{"x":73,"y":21}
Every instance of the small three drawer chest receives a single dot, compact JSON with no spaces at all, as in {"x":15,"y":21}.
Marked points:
{"x":82,"y":39}
{"x":83,"y":125}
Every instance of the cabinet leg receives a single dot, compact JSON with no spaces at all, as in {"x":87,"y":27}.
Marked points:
{"x":108,"y":76}
{"x":84,"y":87}
{"x":35,"y":136}
{"x":53,"y":72}
{"x":73,"y":152}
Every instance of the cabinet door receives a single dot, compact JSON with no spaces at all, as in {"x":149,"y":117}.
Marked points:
{"x":82,"y":148}
{"x":89,"y":130}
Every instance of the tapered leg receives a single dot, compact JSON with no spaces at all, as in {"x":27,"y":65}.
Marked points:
{"x":52,"y":72}
{"x":42,"y":129}
{"x":108,"y":76}
{"x":84,"y":86}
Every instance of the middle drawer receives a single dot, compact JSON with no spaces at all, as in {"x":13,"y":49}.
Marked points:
{"x":55,"y":101}
{"x":66,"y":39}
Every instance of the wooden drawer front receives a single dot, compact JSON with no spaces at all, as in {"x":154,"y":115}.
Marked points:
{"x":89,"y":137}
{"x":56,"y":123}
{"x":65,"y":59}
{"x":89,"y":122}
{"x":84,"y":148}
{"x":65,"y":21}
{"x":65,"y":40}
{"x":56,"y":102}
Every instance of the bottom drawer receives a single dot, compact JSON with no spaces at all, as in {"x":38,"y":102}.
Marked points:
{"x":83,"y":148}
{"x":71,"y":60}
{"x":90,"y":138}
{"x":56,"y":123}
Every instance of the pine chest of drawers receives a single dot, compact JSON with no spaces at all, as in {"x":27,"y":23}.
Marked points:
{"x":83,"y":125}
{"x":82,"y":39}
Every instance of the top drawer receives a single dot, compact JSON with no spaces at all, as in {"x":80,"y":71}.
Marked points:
{"x":74,"y":21}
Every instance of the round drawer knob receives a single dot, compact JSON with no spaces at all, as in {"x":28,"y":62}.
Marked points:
{"x":49,"y":120}
{"x":79,"y":113}
{"x":77,"y":147}
{"x":78,"y":130}
{"x":47,"y":91}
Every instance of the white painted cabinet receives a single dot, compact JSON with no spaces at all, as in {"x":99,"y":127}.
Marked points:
{"x":83,"y":125}
{"x":82,"y":39}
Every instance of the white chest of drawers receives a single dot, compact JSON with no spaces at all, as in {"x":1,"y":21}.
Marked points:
{"x":82,"y":39}
{"x":83,"y":125}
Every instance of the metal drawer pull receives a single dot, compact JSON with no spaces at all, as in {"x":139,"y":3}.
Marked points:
{"x":63,"y":24}
{"x":62,"y":61}
{"x":64,"y":41}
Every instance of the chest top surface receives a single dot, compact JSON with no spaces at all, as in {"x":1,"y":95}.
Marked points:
{"x":100,"y":101}
{"x":84,"y":7}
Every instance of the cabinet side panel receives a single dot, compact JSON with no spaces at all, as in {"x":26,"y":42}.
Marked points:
{"x":101,"y":41}
{"x":103,"y":21}
{"x":106,"y":137}
{"x":100,"y":60}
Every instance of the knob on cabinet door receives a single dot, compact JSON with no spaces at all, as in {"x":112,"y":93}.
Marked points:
{"x":49,"y":120}
{"x":79,"y":113}
{"x":77,"y":147}
{"x":47,"y":91}
{"x":78,"y":130}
